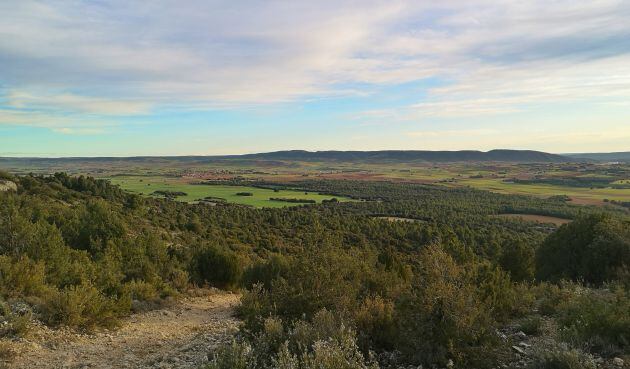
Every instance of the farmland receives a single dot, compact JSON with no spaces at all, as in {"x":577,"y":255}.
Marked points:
{"x":260,"y":197}
{"x":583,"y":183}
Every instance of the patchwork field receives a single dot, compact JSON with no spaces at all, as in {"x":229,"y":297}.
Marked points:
{"x":194,"y":192}
{"x":583,"y":183}
{"x":591,"y":195}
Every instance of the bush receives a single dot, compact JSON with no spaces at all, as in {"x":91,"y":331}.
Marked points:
{"x":22,"y":277}
{"x":443,"y":317}
{"x":266,"y":272}
{"x":233,"y":356}
{"x":562,"y":358}
{"x":593,"y":249}
{"x":82,"y":307}
{"x":324,"y":343}
{"x":531,"y":325}
{"x":518,"y":260}
{"x":140,"y":290}
{"x":7,"y":352}
{"x":16,"y":325}
{"x":218,"y":268}
{"x":375,"y":323}
{"x":598,"y":320}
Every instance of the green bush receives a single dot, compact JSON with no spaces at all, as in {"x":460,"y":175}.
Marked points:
{"x":518,"y":259}
{"x":4,"y":175}
{"x":599,"y":320}
{"x":266,"y":272}
{"x":22,"y":277}
{"x":531,"y":325}
{"x":593,"y":249}
{"x":561,"y":358}
{"x":140,"y":290}
{"x":443,"y":317}
{"x":217,"y":268}
{"x":233,"y":356}
{"x":82,"y":307}
{"x":324,"y":343}
{"x":16,"y":325}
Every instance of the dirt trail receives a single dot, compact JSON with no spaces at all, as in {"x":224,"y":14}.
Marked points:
{"x":177,"y":337}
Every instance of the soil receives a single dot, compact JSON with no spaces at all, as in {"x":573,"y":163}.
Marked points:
{"x":180,"y":336}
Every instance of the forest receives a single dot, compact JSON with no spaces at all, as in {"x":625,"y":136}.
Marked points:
{"x":330,"y":285}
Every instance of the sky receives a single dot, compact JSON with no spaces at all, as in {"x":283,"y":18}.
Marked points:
{"x":126,"y":78}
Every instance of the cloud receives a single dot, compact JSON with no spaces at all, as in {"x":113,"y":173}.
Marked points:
{"x":79,"y":131}
{"x":120,"y":58}
{"x":453,"y":133}
{"x":76,"y":103}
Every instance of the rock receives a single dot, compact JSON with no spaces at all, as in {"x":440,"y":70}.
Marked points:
{"x":519,"y":350}
{"x":525,"y":345}
{"x":618,"y":362}
{"x":520,"y":335}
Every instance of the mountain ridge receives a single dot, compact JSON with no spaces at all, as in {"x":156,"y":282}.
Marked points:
{"x":498,"y":155}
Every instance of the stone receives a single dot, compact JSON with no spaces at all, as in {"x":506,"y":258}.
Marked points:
{"x":520,"y":335}
{"x":519,"y":350}
{"x":618,"y":362}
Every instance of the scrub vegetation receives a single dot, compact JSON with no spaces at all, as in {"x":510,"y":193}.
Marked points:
{"x":333,"y":284}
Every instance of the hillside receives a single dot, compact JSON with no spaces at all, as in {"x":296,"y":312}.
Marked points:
{"x":411,"y":155}
{"x":602,"y":156}
{"x":386,"y":156}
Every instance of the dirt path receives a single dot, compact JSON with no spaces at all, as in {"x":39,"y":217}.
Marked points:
{"x":175,"y":337}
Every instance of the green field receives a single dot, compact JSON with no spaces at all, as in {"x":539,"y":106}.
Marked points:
{"x":260,"y":197}
{"x":497,"y":185}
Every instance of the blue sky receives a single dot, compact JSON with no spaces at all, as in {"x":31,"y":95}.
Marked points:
{"x":95,"y":78}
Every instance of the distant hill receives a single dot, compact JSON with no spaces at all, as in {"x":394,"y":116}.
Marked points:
{"x":603,"y":156}
{"x":386,"y":156}
{"x":409,"y":156}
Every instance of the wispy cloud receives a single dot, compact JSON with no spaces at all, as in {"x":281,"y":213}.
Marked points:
{"x":120,"y":58}
{"x":78,"y":131}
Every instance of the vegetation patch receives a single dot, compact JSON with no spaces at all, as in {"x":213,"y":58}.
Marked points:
{"x":537,"y":218}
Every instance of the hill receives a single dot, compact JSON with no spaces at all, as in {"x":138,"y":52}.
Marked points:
{"x":602,"y":156}
{"x":386,"y":156}
{"x":411,"y":155}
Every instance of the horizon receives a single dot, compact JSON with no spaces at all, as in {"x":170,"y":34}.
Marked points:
{"x":117,"y":79}
{"x":300,"y":150}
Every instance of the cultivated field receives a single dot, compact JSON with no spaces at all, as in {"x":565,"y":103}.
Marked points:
{"x":194,"y":192}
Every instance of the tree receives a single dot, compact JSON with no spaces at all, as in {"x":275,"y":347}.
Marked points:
{"x":594,"y":249}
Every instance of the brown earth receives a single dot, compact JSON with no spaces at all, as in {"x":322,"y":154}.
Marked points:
{"x":179,"y":337}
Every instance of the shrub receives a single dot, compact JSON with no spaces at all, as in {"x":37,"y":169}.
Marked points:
{"x":375,"y":323}
{"x":218,"y":268}
{"x":16,"y":325}
{"x":599,"y":320}
{"x":518,"y":259}
{"x":22,"y":277}
{"x":7,"y":352}
{"x":4,"y":175}
{"x":324,"y":343}
{"x":531,"y":325}
{"x":140,"y":290}
{"x":593,"y":249}
{"x":552,"y":296}
{"x":233,"y":356}
{"x":561,"y":358}
{"x":443,"y":318}
{"x":82,"y":307}
{"x":265,"y":272}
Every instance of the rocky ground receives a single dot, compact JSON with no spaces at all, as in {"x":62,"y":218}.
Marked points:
{"x":179,"y":337}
